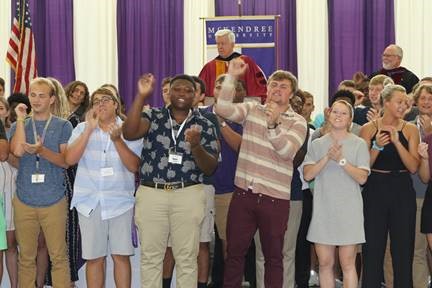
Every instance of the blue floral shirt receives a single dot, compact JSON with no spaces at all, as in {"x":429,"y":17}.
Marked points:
{"x":158,"y":142}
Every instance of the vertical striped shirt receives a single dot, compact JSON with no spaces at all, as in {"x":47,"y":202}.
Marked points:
{"x":266,"y":156}
{"x":115,"y":193}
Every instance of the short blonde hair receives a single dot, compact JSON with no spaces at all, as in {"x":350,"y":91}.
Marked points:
{"x":387,"y":92}
{"x":44,"y":81}
{"x":380,"y":79}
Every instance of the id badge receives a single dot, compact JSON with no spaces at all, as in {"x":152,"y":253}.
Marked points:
{"x":37,"y":178}
{"x":175,"y":158}
{"x":107,"y":171}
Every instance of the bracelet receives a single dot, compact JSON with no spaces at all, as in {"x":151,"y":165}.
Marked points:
{"x":375,"y":146}
{"x":20,"y":120}
{"x":273,"y":127}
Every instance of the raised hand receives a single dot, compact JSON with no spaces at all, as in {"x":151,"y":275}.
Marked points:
{"x":33,"y":148}
{"x":335,"y":152}
{"x":382,"y":138}
{"x":272,"y":114}
{"x":237,"y":67}
{"x":146,"y":85}
{"x":426,"y":124}
{"x":372,"y":114}
{"x":394,"y":135}
{"x":193,"y":135}
{"x":21,"y":110}
{"x":114,"y":131}
{"x":422,"y":150}
{"x":92,"y":119}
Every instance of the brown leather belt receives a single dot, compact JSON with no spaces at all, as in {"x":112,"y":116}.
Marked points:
{"x":168,"y":186}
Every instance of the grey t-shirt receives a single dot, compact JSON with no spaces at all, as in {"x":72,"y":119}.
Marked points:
{"x":52,"y":189}
{"x":337,"y":214}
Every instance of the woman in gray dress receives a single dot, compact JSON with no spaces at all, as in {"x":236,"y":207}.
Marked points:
{"x":339,"y":163}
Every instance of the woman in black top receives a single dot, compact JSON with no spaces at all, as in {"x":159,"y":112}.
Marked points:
{"x":389,"y":197}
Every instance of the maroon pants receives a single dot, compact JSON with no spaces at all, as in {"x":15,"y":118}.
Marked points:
{"x":247,"y":213}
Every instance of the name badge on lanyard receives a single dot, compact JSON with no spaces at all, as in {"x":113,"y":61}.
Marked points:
{"x":39,"y":177}
{"x":175,"y":157}
{"x":106,"y":170}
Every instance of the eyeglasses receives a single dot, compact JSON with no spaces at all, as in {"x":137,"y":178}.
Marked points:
{"x":389,"y":55}
{"x":102,"y":100}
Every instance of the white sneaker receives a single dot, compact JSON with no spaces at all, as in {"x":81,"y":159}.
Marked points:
{"x":314,"y":278}
{"x":339,"y":283}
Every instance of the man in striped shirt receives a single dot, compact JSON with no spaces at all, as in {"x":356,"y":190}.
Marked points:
{"x":104,"y":188}
{"x":272,"y":134}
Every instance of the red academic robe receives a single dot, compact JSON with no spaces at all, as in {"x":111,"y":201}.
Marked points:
{"x":254,"y":78}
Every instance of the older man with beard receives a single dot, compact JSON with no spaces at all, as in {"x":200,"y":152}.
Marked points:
{"x":391,"y":66}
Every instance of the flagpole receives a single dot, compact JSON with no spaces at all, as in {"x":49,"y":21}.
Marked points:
{"x":239,"y":5}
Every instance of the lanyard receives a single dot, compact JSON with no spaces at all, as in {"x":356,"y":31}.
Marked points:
{"x":42,"y":139}
{"x":108,"y":143}
{"x":173,"y":135}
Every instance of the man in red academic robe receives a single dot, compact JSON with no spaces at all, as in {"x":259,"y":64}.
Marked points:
{"x":254,"y":77}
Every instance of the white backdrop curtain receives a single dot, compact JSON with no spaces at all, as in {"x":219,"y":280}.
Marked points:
{"x":95,"y":42}
{"x":413,"y":33}
{"x":312,"y":50}
{"x":194,"y":34}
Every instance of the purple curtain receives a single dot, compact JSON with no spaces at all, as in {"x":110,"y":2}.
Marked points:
{"x":53,"y":32}
{"x":150,"y":39}
{"x":358,"y":33}
{"x":380,"y":32}
{"x":287,"y":42}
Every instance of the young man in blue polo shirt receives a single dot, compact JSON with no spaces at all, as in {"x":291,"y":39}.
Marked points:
{"x":40,"y":142}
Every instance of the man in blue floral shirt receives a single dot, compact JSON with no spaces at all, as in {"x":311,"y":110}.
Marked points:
{"x":180,"y":147}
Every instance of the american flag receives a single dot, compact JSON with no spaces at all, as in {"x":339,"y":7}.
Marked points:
{"x":21,"y":53}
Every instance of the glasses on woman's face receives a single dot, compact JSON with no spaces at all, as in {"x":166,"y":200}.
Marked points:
{"x":103,"y":100}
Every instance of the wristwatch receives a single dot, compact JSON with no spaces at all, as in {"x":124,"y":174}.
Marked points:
{"x":342,"y":162}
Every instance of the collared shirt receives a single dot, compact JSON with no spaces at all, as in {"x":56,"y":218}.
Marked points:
{"x":114,"y":193}
{"x":158,"y":142}
{"x":266,"y":156}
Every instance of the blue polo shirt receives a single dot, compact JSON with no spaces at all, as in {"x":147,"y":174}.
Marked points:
{"x":225,"y":172}
{"x":53,"y":189}
{"x":158,"y":142}
{"x":208,"y":180}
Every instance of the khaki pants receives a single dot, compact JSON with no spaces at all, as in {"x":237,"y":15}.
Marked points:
{"x":289,"y":248}
{"x":420,"y":265}
{"x":175,"y":213}
{"x":28,"y":223}
{"x":222,"y":203}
